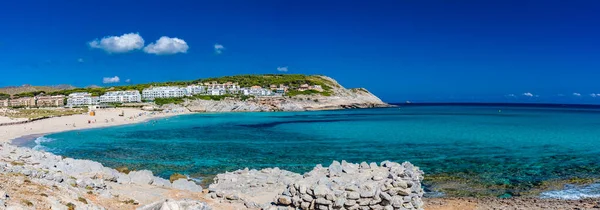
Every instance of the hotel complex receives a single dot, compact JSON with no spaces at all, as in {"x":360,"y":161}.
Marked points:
{"x":164,"y":92}
{"x":133,"y":96}
{"x":129,"y":96}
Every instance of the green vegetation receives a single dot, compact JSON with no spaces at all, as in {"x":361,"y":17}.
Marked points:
{"x":26,"y":202}
{"x":292,"y":80}
{"x":83,"y":200}
{"x":163,"y":101}
{"x":123,"y":169}
{"x":4,"y":96}
{"x":211,"y":97}
{"x":71,"y":206}
{"x":130,"y":201}
{"x":176,"y":176}
{"x":307,"y":92}
{"x":28,"y":94}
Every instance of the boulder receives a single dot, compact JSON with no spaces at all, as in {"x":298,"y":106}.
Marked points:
{"x":176,"y":205}
{"x":183,"y":184}
{"x":143,"y":177}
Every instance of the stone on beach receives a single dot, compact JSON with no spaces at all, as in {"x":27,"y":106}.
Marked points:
{"x":359,"y":187}
{"x":183,"y":184}
{"x":176,"y":205}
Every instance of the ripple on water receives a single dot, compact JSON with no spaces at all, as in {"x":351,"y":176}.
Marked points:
{"x":489,"y":152}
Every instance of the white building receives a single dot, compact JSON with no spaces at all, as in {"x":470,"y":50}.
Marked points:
{"x":215,"y":88}
{"x":195,"y":89}
{"x":217,"y":92}
{"x":81,"y":99}
{"x":121,"y":97}
{"x":163,"y":92}
{"x":256,"y":91}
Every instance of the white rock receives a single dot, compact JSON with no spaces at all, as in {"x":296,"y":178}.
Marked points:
{"x":183,"y":184}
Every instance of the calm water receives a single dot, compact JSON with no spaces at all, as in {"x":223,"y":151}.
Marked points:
{"x":516,"y":148}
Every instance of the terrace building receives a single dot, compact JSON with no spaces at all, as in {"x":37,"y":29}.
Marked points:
{"x":129,"y":96}
{"x":50,"y":101}
{"x":257,"y":91}
{"x":195,"y":89}
{"x":214,"y":88}
{"x":163,"y":92}
{"x":24,"y":102}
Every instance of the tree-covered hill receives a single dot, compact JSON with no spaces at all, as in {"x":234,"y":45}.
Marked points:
{"x":291,"y":80}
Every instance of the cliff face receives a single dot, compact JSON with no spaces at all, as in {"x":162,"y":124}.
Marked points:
{"x":341,"y":98}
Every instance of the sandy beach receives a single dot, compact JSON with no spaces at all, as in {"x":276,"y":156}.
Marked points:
{"x":102,"y":118}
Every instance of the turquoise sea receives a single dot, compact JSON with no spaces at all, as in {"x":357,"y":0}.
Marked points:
{"x":500,"y":150}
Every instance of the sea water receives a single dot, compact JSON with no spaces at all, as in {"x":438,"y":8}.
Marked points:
{"x":518,"y":147}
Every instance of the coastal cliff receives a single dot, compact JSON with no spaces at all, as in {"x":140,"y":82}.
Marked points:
{"x":337,"y":98}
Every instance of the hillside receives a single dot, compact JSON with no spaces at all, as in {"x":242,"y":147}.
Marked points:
{"x":331,"y":96}
{"x":337,"y":97}
{"x":291,"y":80}
{"x":14,"y":90}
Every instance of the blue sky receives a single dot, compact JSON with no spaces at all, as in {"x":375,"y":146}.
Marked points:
{"x":400,"y":50}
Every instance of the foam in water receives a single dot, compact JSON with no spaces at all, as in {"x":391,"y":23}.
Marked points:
{"x":573,"y":192}
{"x":38,"y":143}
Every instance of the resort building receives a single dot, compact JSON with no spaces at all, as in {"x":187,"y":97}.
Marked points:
{"x":129,"y":96}
{"x":163,"y":92}
{"x":214,"y":88}
{"x":305,"y":87}
{"x":82,"y":99}
{"x":217,"y":92}
{"x":257,"y":91}
{"x":316,"y":87}
{"x":22,"y":102}
{"x":50,"y":101}
{"x":195,"y":90}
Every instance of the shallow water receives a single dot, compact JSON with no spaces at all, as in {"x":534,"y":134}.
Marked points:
{"x":516,"y":148}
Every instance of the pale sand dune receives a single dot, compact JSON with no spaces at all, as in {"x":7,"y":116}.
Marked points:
{"x":76,"y":122}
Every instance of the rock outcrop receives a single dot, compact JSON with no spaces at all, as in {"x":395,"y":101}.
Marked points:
{"x":340,"y":98}
{"x":176,"y":205}
{"x":63,"y":183}
{"x":357,"y":186}
{"x":342,"y":185}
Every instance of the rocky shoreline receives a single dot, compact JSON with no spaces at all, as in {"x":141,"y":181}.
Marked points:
{"x":31,"y":179}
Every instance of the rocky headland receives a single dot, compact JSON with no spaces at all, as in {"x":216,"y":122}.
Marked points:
{"x":338,"y":98}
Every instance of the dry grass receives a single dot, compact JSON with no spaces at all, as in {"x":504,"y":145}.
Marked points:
{"x":40,"y":113}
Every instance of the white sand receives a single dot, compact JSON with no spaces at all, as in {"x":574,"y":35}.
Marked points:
{"x":76,"y":122}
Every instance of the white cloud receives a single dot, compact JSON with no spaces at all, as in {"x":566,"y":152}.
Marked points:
{"x":119,"y":44}
{"x":167,"y":46}
{"x":577,"y":94}
{"x":80,"y":60}
{"x":282,"y":68}
{"x":595,"y":95}
{"x":128,"y":80}
{"x":219,"y":48}
{"x":114,"y":79}
{"x":528,"y":94}
{"x":511,"y":95}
